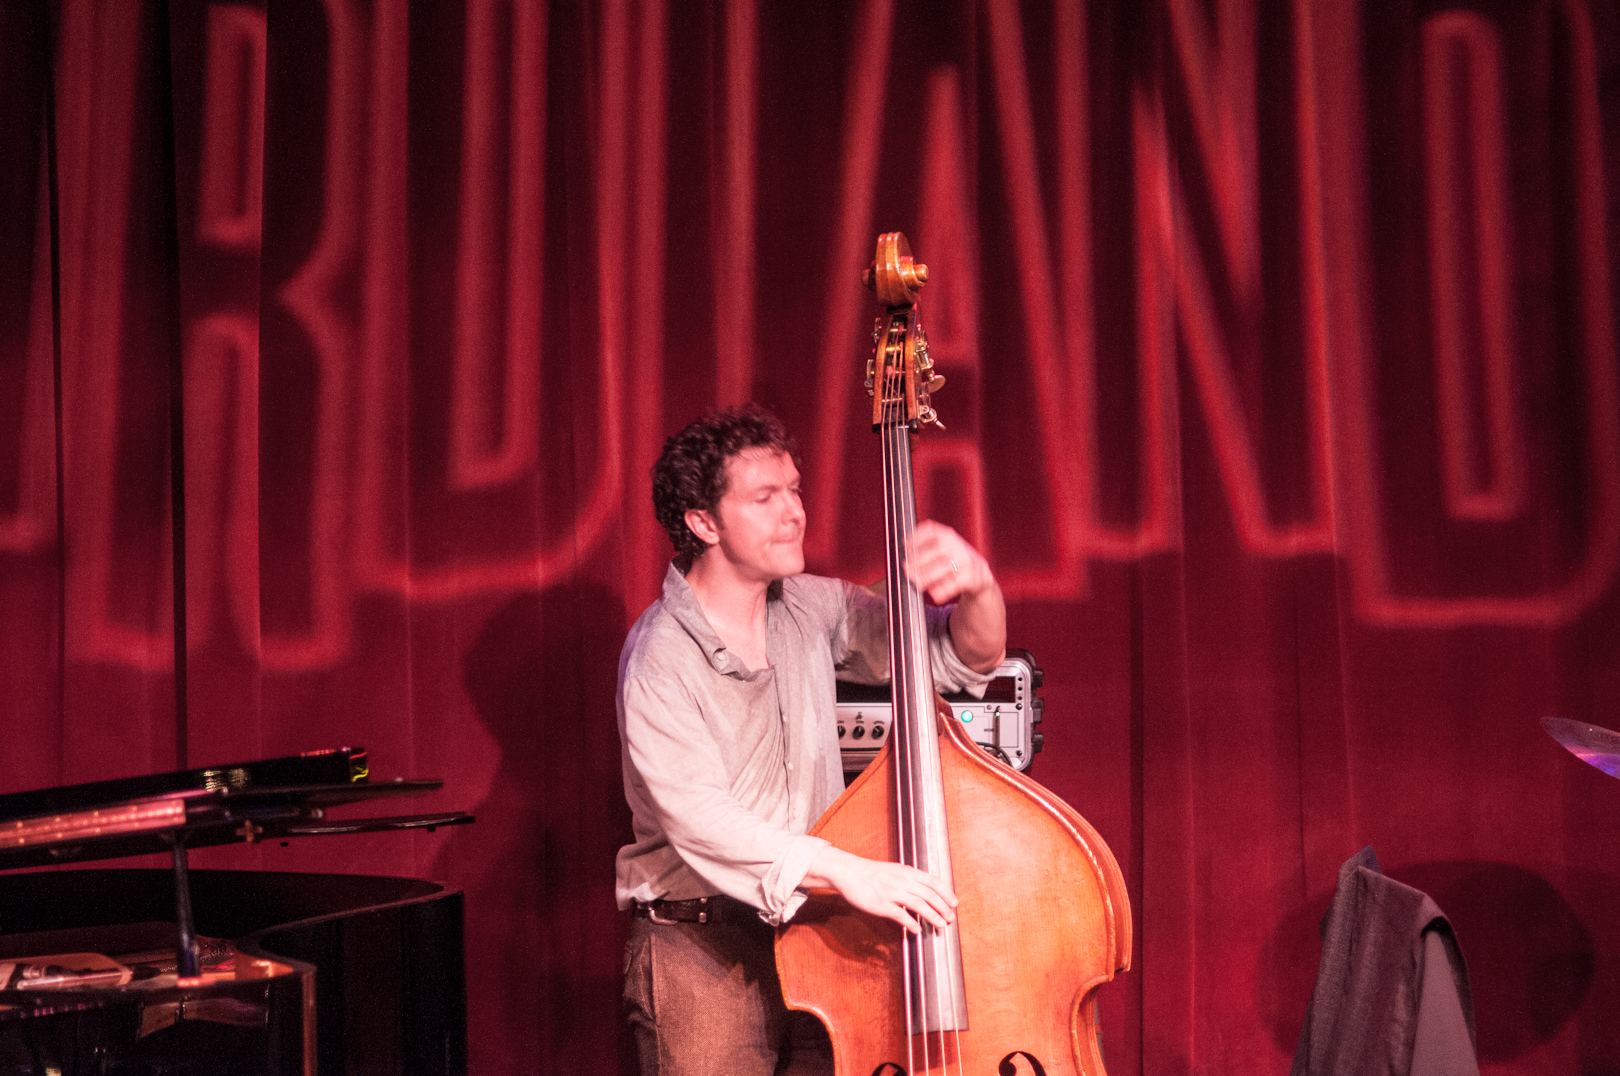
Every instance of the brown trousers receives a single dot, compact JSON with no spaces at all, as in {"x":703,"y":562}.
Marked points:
{"x":704,"y":999}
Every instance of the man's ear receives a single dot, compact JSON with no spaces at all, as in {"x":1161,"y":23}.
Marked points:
{"x":702,"y":524}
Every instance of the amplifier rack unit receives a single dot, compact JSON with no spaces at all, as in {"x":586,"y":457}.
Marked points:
{"x":1002,"y":723}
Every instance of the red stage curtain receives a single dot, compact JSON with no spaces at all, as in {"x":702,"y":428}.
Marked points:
{"x":336,"y":340}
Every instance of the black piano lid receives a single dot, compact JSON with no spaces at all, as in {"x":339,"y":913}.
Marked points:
{"x":337,"y":766}
{"x":270,"y":799}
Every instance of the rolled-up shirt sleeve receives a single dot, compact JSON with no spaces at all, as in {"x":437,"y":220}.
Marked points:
{"x":860,"y":645}
{"x":677,"y":772}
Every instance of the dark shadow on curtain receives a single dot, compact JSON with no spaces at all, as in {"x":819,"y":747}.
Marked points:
{"x":544,"y":940}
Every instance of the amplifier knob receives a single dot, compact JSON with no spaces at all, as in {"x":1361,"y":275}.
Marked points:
{"x":859,"y":733}
{"x":840,"y":732}
{"x":877,"y":732}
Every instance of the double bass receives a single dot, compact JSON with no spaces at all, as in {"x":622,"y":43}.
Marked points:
{"x":1043,"y":919}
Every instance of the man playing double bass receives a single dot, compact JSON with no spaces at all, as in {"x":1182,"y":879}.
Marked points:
{"x":730,"y":752}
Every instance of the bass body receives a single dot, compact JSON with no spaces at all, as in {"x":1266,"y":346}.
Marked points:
{"x":1044,"y":919}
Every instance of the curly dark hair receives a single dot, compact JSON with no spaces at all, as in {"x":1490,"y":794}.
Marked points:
{"x":691,"y":472}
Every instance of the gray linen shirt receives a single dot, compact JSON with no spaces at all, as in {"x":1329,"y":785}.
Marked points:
{"x":726,"y":769}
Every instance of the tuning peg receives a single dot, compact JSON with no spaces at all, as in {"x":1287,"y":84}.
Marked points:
{"x":935,"y":383}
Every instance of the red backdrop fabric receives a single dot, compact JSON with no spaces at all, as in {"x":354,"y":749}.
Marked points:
{"x":336,"y":340}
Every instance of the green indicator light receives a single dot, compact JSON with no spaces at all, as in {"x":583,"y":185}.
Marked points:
{"x":967,"y":715}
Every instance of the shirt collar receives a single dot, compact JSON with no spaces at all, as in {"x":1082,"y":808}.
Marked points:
{"x":682,"y":604}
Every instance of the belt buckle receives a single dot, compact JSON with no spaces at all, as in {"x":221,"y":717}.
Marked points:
{"x":652,"y":913}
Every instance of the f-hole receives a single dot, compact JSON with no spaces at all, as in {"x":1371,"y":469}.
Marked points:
{"x":1009,"y":1065}
{"x":888,"y":1068}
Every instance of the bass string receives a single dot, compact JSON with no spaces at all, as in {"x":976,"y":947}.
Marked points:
{"x":900,"y":496}
{"x":932,"y":821}
{"x":933,"y":817}
{"x":900,"y":740}
{"x":914,"y":812}
{"x":914,"y":981}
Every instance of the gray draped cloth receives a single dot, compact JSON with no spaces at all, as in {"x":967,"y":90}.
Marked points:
{"x":1391,"y":996}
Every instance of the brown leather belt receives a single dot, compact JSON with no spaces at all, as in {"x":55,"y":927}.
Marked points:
{"x":697,"y":910}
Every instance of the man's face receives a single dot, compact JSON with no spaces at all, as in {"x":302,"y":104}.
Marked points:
{"x":760,"y":518}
